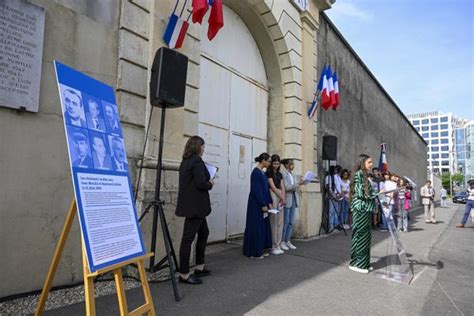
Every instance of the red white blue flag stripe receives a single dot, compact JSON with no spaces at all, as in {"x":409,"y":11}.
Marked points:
{"x":175,"y":31}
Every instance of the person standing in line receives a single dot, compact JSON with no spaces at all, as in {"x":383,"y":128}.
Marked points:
{"x":469,"y":204}
{"x":277,"y":191}
{"x":376,"y":178}
{"x":363,"y":204}
{"x":193,"y":204}
{"x":427,"y":194}
{"x":402,"y":212}
{"x":333,"y":197}
{"x":345,"y":202}
{"x":384,"y":205}
{"x":444,"y":195}
{"x":291,"y":185}
{"x":257,"y":235}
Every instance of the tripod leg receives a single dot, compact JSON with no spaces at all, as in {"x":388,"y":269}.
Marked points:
{"x":169,"y":255}
{"x":173,"y":253}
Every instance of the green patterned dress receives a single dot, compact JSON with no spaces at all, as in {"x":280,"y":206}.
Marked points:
{"x":362,"y":207}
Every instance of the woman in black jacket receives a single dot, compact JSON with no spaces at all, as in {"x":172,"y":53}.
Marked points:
{"x":193,"y":204}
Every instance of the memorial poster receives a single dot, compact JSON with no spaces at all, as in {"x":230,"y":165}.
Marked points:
{"x":99,"y":169}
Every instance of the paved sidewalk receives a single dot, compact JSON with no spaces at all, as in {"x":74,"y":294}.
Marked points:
{"x":315,"y":279}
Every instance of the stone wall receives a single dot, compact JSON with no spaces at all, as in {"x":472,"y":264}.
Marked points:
{"x":367,"y":115}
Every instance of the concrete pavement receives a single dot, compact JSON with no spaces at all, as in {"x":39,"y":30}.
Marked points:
{"x":315,"y":279}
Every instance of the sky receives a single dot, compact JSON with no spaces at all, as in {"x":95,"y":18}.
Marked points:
{"x":421,"y":51}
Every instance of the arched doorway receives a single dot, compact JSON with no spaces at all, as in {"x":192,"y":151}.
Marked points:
{"x":233,"y":107}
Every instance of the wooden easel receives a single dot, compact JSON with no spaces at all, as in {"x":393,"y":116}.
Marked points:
{"x":148,"y":307}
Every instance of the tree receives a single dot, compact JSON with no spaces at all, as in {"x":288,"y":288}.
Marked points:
{"x":457,"y":179}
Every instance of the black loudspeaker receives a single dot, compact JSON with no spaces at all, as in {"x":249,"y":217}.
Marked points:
{"x":168,"y":78}
{"x":329,"y":147}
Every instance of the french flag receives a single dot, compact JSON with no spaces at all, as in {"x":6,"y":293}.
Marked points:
{"x":175,"y":31}
{"x":317,"y":96}
{"x":332,"y":95}
{"x":200,"y":8}
{"x":383,"y":164}
{"x":325,"y":97}
{"x":336,"y":91}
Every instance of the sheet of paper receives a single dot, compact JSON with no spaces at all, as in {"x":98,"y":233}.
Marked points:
{"x":273,"y":211}
{"x":308,"y":177}
{"x":212,"y":170}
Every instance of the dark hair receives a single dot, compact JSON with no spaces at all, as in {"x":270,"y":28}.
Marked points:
{"x":287,"y":161}
{"x":385,"y":174}
{"x":375,"y":168}
{"x":193,"y":147}
{"x":345,"y":171}
{"x":275,"y":157}
{"x":262,"y":157}
{"x":338,"y":168}
{"x":360,"y":165}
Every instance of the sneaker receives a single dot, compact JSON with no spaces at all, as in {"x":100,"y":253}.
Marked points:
{"x":284,"y":246}
{"x":358,"y":269}
{"x":277,"y":252}
{"x":290,"y":245}
{"x":428,"y":222}
{"x":460,"y":226}
{"x":266,"y":254}
{"x":371,"y":268}
{"x":347,"y":226}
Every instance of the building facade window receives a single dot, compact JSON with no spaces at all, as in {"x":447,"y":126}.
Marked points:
{"x":443,"y":119}
{"x":424,"y":128}
{"x":434,"y":120}
{"x":434,"y":134}
{"x":426,"y":121}
{"x":445,"y":170}
{"x":445,"y":156}
{"x":434,"y":148}
{"x":444,"y":148}
{"x":444,"y":141}
{"x":434,"y":127}
{"x":425,"y":135}
{"x":444,"y":134}
{"x":416,"y":122}
{"x":434,"y":142}
{"x":444,"y":126}
{"x":445,"y":163}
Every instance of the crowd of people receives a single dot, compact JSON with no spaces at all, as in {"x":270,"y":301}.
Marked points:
{"x":351,"y":196}
{"x":397,"y":203}
{"x":271,"y":207}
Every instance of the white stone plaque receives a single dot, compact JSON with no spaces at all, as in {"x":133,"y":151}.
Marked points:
{"x":21,"y":52}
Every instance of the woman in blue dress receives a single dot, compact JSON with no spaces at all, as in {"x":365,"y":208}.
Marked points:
{"x":257,"y":235}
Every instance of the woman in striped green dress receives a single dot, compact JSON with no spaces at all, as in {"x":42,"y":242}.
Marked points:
{"x":362,"y":204}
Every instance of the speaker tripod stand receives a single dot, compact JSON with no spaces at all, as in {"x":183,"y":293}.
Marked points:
{"x":158,"y":213}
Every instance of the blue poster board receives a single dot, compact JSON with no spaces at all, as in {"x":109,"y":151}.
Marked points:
{"x":99,"y":169}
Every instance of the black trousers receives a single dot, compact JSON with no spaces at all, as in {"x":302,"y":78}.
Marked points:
{"x":193,"y":226}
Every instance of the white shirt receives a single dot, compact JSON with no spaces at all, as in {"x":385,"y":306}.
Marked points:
{"x":389,"y":186}
{"x":470,"y":197}
{"x":346,"y":187}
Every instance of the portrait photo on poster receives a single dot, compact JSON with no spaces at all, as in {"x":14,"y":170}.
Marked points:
{"x":94,"y":113}
{"x":72,"y":106}
{"x":112,"y":121}
{"x":79,"y":147}
{"x":119,"y":158}
{"x":101,"y":155}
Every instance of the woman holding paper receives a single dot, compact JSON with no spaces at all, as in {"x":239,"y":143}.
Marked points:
{"x":193,"y":204}
{"x":363,"y":204}
{"x":291,"y":185}
{"x":257,"y":236}
{"x":277,"y":191}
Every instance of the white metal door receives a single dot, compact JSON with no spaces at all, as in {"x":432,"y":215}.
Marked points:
{"x":240,"y":156}
{"x":216,"y":153}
